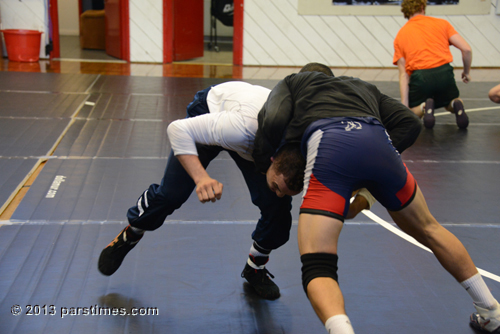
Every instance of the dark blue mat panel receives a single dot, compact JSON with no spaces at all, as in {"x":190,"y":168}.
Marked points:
{"x":475,"y":89}
{"x":14,"y":171}
{"x":115,"y":138}
{"x":170,"y":86}
{"x":446,"y":142}
{"x":29,"y":137}
{"x":123,"y":126}
{"x":190,"y":274}
{"x":46,"y":82}
{"x":39,"y":105}
{"x":482,"y":244}
{"x":92,"y":189}
{"x":138,"y":107}
{"x":104,"y":189}
{"x":391,"y":286}
{"x":152,"y":85}
{"x":183,"y":282}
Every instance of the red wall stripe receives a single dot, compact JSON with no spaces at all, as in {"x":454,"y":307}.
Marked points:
{"x":125,"y":30}
{"x":168,"y":31}
{"x":238,"y":32}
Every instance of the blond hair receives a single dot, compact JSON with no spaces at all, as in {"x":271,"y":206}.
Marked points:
{"x":410,"y":7}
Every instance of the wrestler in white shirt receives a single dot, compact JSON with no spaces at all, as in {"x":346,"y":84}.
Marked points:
{"x":231,"y":123}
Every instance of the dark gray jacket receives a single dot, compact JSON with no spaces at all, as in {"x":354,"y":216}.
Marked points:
{"x":300,"y":99}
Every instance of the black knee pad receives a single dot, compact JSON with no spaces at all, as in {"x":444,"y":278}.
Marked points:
{"x":318,"y":265}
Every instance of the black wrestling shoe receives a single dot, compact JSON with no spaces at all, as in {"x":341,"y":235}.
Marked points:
{"x":260,"y":281}
{"x":460,"y":115}
{"x":429,"y":118}
{"x":112,"y":256}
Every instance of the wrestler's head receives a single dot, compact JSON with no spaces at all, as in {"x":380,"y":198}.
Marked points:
{"x":412,"y":7}
{"x":285,"y":176}
{"x":317,"y":67}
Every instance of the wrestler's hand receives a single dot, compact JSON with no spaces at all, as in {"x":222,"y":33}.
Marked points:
{"x":357,"y":205}
{"x":465,"y":77}
{"x":208,"y":190}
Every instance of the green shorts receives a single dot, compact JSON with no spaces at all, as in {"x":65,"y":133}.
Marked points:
{"x":437,"y":83}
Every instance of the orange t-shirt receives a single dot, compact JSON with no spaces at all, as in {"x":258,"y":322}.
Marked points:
{"x":424,"y":43}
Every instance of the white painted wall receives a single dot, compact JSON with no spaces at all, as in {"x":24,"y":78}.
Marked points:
{"x":26,"y":14}
{"x":274,"y":34}
{"x":68,"y":17}
{"x":146,"y":31}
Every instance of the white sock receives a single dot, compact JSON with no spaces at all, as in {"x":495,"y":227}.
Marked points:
{"x":479,"y":292}
{"x":258,"y":252}
{"x":255,"y":252}
{"x":422,"y":107}
{"x":339,"y":324}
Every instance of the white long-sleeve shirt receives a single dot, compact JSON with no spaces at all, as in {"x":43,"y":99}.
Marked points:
{"x":231,"y":123}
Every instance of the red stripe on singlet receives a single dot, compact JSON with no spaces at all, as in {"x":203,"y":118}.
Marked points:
{"x":319,"y":197}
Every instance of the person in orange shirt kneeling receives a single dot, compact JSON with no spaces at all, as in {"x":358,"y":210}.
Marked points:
{"x":422,"y":54}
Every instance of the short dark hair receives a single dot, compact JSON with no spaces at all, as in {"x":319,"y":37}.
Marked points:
{"x":317,"y":67}
{"x":290,"y":162}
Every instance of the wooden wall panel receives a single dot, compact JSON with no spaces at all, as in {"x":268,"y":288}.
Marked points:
{"x":146,"y":31}
{"x":488,"y":29}
{"x":368,"y":39}
{"x":301,"y":34}
{"x":274,"y":34}
{"x":353,"y":41}
{"x":488,"y":55}
{"x":329,"y":43}
{"x":380,"y":35}
{"x":351,"y":37}
{"x":277,"y":36}
{"x":256,"y":46}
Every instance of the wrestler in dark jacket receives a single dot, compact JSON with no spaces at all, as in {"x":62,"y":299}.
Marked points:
{"x":300,"y":99}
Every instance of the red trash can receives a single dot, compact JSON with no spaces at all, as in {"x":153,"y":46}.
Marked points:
{"x":22,"y":45}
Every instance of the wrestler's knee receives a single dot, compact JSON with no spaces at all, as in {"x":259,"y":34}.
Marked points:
{"x":316,"y":265}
